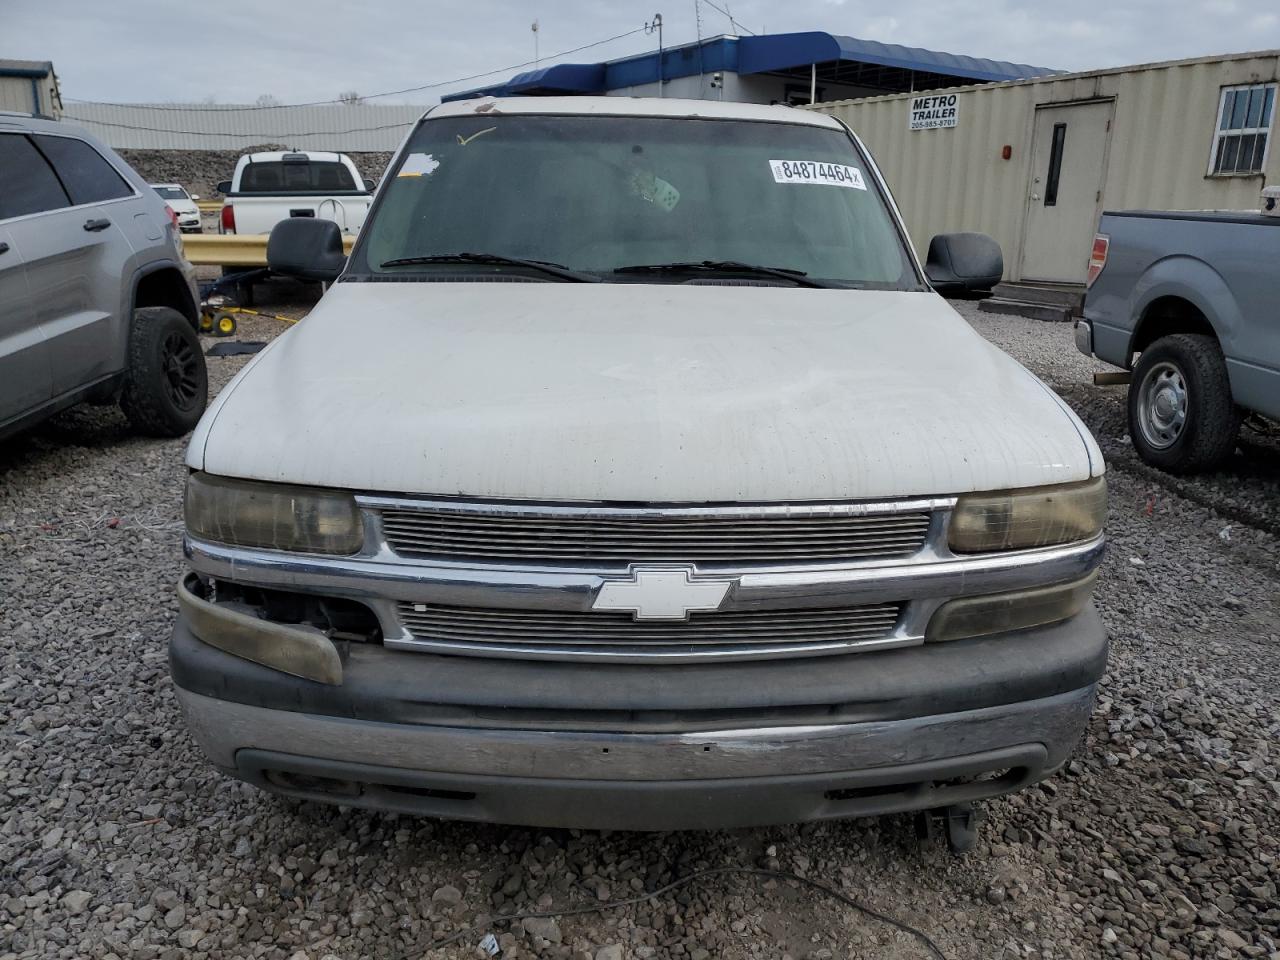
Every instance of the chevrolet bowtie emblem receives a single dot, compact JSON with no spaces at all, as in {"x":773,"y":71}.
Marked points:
{"x":661,"y":593}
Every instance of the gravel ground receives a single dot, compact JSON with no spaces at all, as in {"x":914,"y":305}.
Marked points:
{"x":116,"y":840}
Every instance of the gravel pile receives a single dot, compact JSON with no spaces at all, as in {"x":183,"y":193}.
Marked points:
{"x":116,"y":840}
{"x":200,"y":170}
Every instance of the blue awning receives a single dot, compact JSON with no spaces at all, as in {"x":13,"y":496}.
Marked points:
{"x":886,"y":67}
{"x":570,"y":79}
{"x":788,"y":51}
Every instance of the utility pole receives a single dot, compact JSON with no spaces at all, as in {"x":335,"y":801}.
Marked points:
{"x":655,"y":26}
{"x":534,"y":28}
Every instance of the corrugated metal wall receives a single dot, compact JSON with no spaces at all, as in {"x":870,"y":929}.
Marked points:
{"x":16,"y":95}
{"x":357,"y":128}
{"x":954,"y":179}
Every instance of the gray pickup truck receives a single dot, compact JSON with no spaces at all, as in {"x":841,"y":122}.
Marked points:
{"x":1191,"y":295}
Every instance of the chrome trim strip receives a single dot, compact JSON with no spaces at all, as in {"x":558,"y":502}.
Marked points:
{"x":852,"y":508}
{"x":554,"y":588}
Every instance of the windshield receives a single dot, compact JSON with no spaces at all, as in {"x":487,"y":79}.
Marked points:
{"x":599,"y":194}
{"x":171,"y":193}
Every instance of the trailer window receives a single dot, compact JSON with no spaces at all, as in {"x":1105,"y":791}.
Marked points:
{"x":1243,"y":132}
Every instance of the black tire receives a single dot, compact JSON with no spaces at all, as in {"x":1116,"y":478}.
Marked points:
{"x":1181,"y":416}
{"x":166,"y":384}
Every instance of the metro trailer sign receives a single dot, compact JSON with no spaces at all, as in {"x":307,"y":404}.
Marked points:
{"x":932,"y":112}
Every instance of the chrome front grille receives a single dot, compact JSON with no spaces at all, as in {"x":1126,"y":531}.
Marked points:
{"x":817,"y":533}
{"x":581,"y":634}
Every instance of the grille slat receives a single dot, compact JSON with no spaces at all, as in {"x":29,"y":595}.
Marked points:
{"x":814,"y":534}
{"x":742,"y":632}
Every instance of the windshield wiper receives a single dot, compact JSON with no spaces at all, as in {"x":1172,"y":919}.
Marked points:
{"x":798,"y":277}
{"x":543,"y":266}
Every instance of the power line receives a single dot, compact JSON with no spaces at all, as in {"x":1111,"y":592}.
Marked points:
{"x":371,"y":96}
{"x":733,"y":24}
{"x":271,"y":135}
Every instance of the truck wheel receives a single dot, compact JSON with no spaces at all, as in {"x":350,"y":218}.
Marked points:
{"x":1181,"y":416}
{"x":166,"y":384}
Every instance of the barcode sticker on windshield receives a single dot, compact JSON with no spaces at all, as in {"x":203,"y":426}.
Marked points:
{"x":815,"y":171}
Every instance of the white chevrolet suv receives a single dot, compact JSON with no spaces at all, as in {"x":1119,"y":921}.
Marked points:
{"x":633,"y":475}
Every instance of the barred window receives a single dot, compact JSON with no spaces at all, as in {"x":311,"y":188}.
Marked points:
{"x":1244,"y":126}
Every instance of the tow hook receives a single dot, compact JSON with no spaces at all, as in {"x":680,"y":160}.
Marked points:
{"x":958,"y":823}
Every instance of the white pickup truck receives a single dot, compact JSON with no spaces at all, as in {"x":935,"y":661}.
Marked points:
{"x":269,"y":187}
{"x":633,"y":474}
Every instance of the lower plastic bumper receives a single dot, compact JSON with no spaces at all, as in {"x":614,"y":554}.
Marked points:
{"x":615,"y":775}
{"x":717,"y":779}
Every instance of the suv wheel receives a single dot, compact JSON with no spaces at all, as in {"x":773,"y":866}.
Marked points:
{"x":166,"y":384}
{"x":1181,"y":416}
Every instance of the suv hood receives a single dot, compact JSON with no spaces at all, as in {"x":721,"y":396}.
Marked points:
{"x":639,"y":392}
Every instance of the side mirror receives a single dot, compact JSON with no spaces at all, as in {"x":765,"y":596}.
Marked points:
{"x":307,"y":248}
{"x":369,"y":185}
{"x":224,"y":186}
{"x":963,"y":261}
{"x":195,"y":196}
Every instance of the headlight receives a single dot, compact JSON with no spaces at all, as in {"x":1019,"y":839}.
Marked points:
{"x":253,"y":514}
{"x":1016,"y":610}
{"x":1032,"y":517}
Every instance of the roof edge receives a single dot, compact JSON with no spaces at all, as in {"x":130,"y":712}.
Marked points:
{"x":1056,"y":77}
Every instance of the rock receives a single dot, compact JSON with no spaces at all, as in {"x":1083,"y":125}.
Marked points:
{"x":188,"y":938}
{"x":176,"y":917}
{"x":449,"y":896}
{"x":543,"y":927}
{"x":1231,"y":940}
{"x":77,"y":901}
{"x":612,"y":951}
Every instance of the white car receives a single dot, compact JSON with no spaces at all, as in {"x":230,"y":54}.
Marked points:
{"x":633,"y":475}
{"x":182,"y":204}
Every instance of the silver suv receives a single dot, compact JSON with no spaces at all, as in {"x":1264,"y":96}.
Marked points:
{"x":97,"y":303}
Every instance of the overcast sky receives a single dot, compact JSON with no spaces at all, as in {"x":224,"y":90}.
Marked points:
{"x":233,"y":51}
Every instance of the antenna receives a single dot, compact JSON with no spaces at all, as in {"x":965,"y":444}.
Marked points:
{"x":534,"y":28}
{"x":697,"y":20}
{"x":655,"y":26}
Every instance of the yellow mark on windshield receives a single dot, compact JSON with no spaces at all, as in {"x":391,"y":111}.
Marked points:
{"x":462,"y":142}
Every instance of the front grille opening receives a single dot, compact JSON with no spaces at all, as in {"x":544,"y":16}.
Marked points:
{"x":990,"y":782}
{"x":569,"y":634}
{"x":810,"y":534}
{"x":306,"y":783}
{"x":1001,"y":777}
{"x":880,"y":790}
{"x":341,"y":619}
{"x":428,"y":793}
{"x":337,"y":787}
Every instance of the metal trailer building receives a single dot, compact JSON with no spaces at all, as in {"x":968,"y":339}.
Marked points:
{"x":29,"y":86}
{"x":1033,"y":163}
